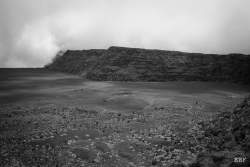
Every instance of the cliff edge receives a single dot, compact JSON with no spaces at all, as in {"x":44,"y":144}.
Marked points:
{"x":134,"y":64}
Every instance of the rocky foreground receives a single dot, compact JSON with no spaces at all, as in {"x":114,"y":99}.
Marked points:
{"x":133,"y":64}
{"x":56,"y":119}
{"x":54,"y":135}
{"x":228,"y":138}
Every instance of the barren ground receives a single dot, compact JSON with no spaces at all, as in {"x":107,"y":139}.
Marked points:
{"x":56,"y":119}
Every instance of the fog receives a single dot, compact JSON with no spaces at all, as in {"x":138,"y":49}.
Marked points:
{"x":33,"y":31}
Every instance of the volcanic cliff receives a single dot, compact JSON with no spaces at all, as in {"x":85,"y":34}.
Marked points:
{"x":134,"y":64}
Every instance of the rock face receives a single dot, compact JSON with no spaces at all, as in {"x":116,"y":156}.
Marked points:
{"x":227,"y":138}
{"x":241,"y":124}
{"x":75,"y":61}
{"x":133,"y":64}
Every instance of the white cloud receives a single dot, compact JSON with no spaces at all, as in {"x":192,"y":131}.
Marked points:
{"x":32,"y":31}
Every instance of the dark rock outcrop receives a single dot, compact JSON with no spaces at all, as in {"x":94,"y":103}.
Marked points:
{"x":227,"y":138}
{"x":75,"y":61}
{"x":133,"y":64}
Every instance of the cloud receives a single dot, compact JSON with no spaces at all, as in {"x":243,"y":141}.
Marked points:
{"x":33,"y":31}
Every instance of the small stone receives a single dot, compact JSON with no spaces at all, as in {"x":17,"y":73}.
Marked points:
{"x":71,"y":142}
{"x":154,"y":162}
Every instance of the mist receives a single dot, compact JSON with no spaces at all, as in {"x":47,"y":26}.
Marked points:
{"x":33,"y":31}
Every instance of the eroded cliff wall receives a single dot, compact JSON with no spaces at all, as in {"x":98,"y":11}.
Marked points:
{"x":134,"y":64}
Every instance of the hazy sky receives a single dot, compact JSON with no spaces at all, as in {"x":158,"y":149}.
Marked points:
{"x":33,"y":31}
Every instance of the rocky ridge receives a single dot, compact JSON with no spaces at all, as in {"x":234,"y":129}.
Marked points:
{"x":134,"y":64}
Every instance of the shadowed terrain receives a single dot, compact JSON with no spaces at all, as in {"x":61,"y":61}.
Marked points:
{"x":57,"y":119}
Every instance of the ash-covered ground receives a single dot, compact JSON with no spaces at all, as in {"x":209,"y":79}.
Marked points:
{"x":55,"y":119}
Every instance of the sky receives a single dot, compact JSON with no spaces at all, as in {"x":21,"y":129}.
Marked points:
{"x":33,"y":31}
